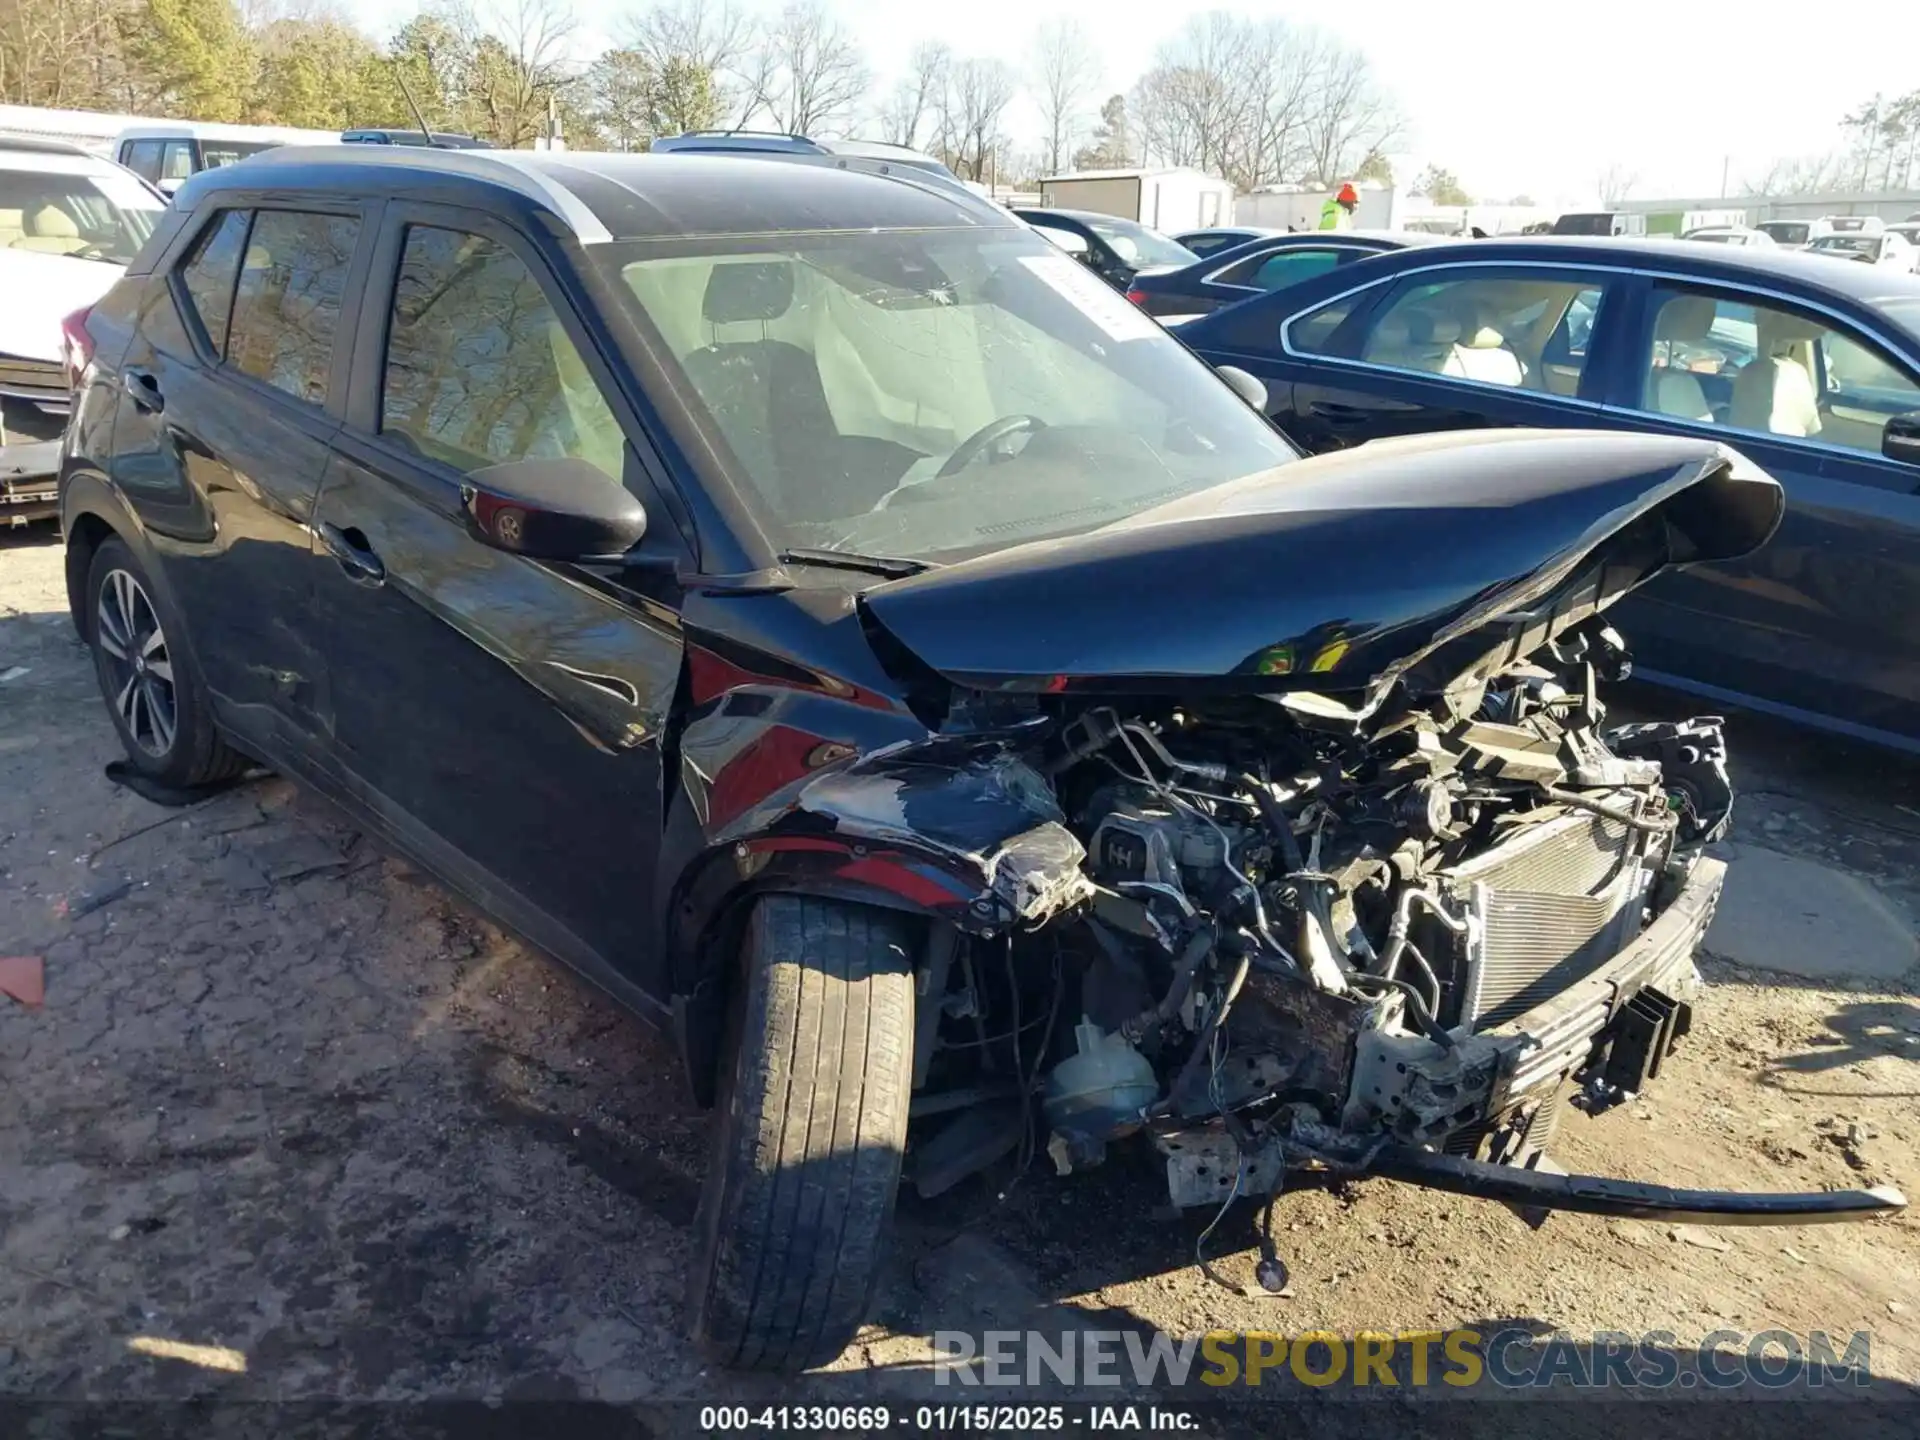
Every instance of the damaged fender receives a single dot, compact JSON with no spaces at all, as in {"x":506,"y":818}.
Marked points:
{"x":975,"y":841}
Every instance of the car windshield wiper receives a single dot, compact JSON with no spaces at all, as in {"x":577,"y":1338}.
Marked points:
{"x":893,"y":567}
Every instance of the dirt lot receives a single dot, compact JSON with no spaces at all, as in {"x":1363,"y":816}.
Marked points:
{"x":287,"y":1098}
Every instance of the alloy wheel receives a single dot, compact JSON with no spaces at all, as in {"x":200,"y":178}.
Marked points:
{"x":127,"y":630}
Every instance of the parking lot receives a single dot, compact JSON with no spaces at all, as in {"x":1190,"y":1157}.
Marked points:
{"x":286,"y":1099}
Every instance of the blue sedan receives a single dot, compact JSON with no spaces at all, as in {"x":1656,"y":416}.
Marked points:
{"x":1258,"y":267}
{"x":1810,"y":368}
{"x":1222,"y":237}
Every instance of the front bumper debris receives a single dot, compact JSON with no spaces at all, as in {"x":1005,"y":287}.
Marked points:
{"x":29,"y":482}
{"x":1607,"y":1033}
{"x":1500,"y":1078}
{"x":1628,"y":1199}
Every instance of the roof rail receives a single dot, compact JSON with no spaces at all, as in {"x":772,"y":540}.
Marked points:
{"x":740,"y":130}
{"x":39,"y":145}
{"x":519,"y":170}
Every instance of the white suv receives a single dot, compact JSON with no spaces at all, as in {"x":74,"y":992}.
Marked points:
{"x":70,"y":222}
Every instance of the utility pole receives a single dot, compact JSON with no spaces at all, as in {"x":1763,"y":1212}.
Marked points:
{"x":1725,"y":165}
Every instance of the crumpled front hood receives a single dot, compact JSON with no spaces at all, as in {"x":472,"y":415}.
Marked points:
{"x":40,"y":291}
{"x":1421,"y":560}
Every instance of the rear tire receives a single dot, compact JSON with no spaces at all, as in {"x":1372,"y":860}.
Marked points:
{"x":808,"y":1133}
{"x":148,"y":677}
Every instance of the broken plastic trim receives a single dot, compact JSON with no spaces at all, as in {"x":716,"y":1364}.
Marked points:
{"x":1628,"y":1199}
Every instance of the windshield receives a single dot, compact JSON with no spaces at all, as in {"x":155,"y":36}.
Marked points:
{"x":1787,"y":233}
{"x":1714,"y":237}
{"x":930,"y":393}
{"x":1136,"y":244}
{"x":89,"y":217}
{"x":1848,"y":244}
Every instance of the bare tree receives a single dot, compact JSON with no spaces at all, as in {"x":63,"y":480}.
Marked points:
{"x":1615,"y":184}
{"x":700,"y":48}
{"x":519,"y":64}
{"x":977,"y":99}
{"x":1350,"y":117}
{"x":918,"y":96}
{"x":1066,"y":76}
{"x":1867,"y":123}
{"x":1262,"y":101}
{"x":809,"y":73}
{"x":1112,"y":142}
{"x":1804,"y":175}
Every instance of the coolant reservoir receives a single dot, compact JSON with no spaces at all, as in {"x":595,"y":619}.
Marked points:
{"x":1102,"y":1090}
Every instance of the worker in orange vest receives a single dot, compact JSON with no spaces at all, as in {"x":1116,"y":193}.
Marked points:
{"x":1337,"y":213}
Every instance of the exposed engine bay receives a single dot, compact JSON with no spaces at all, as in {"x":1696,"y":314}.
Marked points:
{"x":1349,"y":872}
{"x":1299,"y":939}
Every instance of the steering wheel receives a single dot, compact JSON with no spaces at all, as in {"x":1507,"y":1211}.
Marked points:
{"x":984,"y":439}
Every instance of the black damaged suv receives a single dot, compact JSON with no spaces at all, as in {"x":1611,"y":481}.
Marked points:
{"x":810,"y":605}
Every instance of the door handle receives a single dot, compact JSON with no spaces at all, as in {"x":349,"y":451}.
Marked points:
{"x":144,"y":391}
{"x":356,"y":557}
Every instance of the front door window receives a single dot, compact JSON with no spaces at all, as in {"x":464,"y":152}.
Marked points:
{"x":1766,"y":369}
{"x":479,"y":368}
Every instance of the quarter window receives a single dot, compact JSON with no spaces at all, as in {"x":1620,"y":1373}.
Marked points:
{"x":1496,"y":330}
{"x":1770,"y":370}
{"x":479,"y":369}
{"x":209,"y":273}
{"x":287,"y":305}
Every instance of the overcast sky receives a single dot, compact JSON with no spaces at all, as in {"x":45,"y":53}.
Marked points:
{"x":1511,"y":95}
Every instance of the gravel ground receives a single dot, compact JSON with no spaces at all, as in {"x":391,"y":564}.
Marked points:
{"x":288,"y":1099}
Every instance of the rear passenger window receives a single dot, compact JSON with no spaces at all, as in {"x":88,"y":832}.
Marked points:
{"x":1495,"y":330}
{"x":1281,"y":269}
{"x":287,"y":304}
{"x":479,"y":370}
{"x":209,"y":274}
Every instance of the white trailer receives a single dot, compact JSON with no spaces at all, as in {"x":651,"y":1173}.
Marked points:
{"x":1168,"y":199}
{"x":1379,"y":208}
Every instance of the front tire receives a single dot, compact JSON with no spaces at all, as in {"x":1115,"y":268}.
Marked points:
{"x":147,"y":677}
{"x":808,"y":1134}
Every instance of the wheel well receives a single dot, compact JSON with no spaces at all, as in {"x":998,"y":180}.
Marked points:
{"x":702,"y":1023}
{"x":84,"y":536}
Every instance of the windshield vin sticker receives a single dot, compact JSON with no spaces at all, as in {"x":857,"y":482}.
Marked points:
{"x":1112,"y":312}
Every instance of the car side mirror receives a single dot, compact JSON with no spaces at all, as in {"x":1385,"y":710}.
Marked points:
{"x":1246,"y":386}
{"x":552,"y":510}
{"x":1901,"y":439}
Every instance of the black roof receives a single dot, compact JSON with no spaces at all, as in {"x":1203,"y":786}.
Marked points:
{"x":1748,"y":264}
{"x":1085,"y":217}
{"x":604,"y":196}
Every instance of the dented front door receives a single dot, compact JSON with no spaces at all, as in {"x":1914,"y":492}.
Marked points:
{"x":502,"y":716}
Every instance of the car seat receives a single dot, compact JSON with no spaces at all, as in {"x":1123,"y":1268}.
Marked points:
{"x":1482,"y":353}
{"x":1672,"y":389}
{"x":768,"y":399}
{"x":50,"y":230}
{"x":1774,"y":392}
{"x":1415,"y":338}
